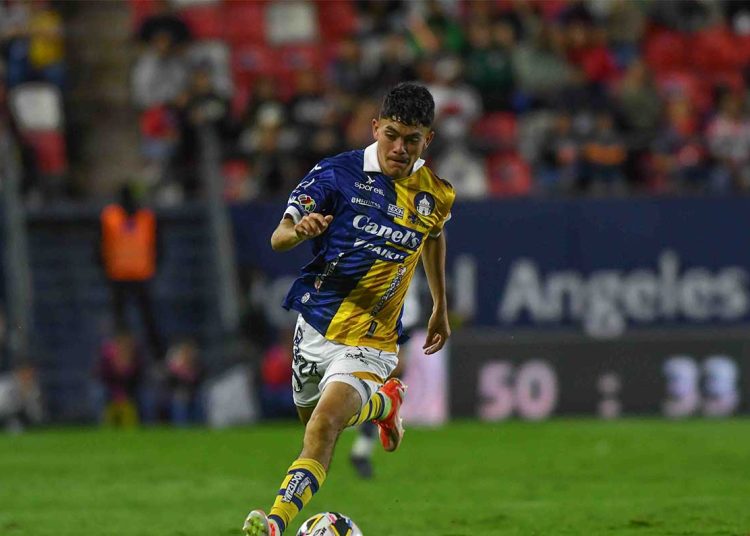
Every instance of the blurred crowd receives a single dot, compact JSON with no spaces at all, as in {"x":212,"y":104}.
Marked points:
{"x":554,"y":97}
{"x":33,"y":75}
{"x":533,"y":98}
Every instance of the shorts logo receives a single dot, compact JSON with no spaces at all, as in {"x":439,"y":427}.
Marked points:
{"x":424,"y":203}
{"x":395,"y":211}
{"x":359,"y":356}
{"x":305,"y":298}
{"x":307,"y":202}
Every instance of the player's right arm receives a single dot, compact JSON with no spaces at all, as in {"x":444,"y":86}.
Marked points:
{"x":309,"y":208}
{"x":289,"y":234}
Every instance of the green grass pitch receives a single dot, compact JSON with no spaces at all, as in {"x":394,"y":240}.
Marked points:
{"x":631,"y":477}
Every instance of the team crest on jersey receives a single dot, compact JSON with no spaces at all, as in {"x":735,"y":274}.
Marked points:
{"x":424,"y":203}
{"x":306,"y":202}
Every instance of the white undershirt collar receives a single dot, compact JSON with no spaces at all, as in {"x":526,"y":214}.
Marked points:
{"x":371,"y":164}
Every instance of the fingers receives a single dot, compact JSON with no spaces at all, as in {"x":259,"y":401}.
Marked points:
{"x":434,"y":343}
{"x":313,"y":225}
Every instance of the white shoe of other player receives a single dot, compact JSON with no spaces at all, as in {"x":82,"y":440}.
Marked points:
{"x":258,"y":524}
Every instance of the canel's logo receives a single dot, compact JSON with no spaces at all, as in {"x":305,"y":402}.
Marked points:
{"x":406,"y":238}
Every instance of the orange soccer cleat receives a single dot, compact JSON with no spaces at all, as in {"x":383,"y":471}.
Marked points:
{"x":391,"y":427}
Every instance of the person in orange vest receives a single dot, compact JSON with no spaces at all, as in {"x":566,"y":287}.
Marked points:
{"x":129,"y":253}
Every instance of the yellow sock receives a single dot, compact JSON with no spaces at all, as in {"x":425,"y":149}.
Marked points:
{"x":377,"y":407}
{"x":302,"y":481}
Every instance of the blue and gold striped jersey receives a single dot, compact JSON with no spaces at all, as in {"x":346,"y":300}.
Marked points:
{"x":353,"y":290}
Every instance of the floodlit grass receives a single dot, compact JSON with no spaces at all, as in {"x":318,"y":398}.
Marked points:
{"x":583,"y":477}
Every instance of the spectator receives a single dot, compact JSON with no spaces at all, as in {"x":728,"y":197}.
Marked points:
{"x":315,"y":114}
{"x":347,"y":71}
{"x":587,"y":50}
{"x":394,"y":64}
{"x":129,"y":251}
{"x":728,"y":137}
{"x":639,"y":104}
{"x":604,"y":155}
{"x":679,"y":156}
{"x":184,"y":377}
{"x":465,"y":169}
{"x":433,"y":30}
{"x":457,"y":104}
{"x":35,"y":46}
{"x":164,"y":20}
{"x":560,"y":167}
{"x":200,"y":107}
{"x":161,"y":73}
{"x":540,"y":68}
{"x":20,"y":398}
{"x":120,"y":369}
{"x":625,"y":24}
{"x":489,"y":66}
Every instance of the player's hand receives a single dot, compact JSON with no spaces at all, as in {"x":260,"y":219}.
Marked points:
{"x":312,"y":225}
{"x":438,"y":331}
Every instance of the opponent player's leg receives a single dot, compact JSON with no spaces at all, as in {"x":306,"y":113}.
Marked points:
{"x":338,"y":403}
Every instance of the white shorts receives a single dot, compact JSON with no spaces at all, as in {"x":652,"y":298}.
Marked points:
{"x":318,"y":362}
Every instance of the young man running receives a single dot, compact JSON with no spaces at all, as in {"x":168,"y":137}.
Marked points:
{"x":371,"y":215}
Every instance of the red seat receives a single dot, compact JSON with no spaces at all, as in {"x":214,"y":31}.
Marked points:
{"x":204,"y":20}
{"x":49,"y":148}
{"x":508,"y":175}
{"x":715,"y":50}
{"x":498,"y":130}
{"x":299,"y":57}
{"x":244,"y":22}
{"x":254,"y":59}
{"x":336,"y":19}
{"x":140,"y":9}
{"x":666,"y":50}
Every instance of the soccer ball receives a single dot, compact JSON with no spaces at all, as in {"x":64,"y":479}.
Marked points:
{"x":329,"y":524}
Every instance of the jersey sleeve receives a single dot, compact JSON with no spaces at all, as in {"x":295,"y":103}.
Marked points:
{"x":445,"y":213}
{"x":315,"y":193}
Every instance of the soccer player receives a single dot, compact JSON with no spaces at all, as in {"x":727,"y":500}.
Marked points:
{"x":370,"y":215}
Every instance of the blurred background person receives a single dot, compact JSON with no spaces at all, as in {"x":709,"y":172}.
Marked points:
{"x":129,"y":254}
{"x":21,"y":402}
{"x":183,"y":380}
{"x":120,"y":371}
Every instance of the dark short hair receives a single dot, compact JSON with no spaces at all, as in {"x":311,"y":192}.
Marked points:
{"x":409,"y":103}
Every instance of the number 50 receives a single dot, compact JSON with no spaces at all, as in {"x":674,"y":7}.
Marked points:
{"x":530,"y":390}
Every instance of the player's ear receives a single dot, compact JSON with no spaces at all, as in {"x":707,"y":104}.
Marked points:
{"x":428,"y":139}
{"x":375,"y":127}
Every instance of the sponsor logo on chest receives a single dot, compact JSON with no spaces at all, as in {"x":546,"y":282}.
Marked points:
{"x":395,"y":211}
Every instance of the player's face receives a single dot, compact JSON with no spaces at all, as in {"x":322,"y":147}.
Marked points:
{"x":399,"y":145}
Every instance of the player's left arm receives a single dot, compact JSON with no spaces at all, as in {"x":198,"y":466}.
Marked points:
{"x":433,"y":260}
